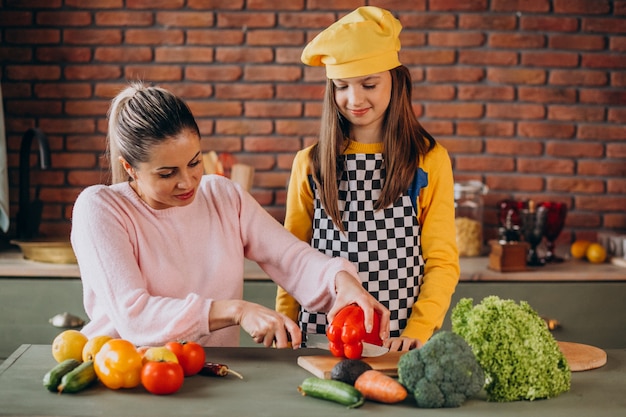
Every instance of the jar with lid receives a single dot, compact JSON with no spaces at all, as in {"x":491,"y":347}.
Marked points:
{"x":468,"y":208}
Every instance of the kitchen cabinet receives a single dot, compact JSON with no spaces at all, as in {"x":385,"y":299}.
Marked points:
{"x":587,"y":300}
{"x":26,"y":305}
{"x":586,"y":312}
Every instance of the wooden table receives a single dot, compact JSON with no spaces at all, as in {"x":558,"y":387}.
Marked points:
{"x":270,"y":389}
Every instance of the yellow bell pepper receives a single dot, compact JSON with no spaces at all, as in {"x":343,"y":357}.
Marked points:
{"x":118,"y":364}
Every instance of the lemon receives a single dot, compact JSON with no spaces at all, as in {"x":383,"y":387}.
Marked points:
{"x":69,"y":344}
{"x":159,"y":354}
{"x":93,"y":346}
{"x":596,"y":254}
{"x":579,"y":248}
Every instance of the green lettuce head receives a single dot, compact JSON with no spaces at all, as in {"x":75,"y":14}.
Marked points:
{"x":517,"y":352}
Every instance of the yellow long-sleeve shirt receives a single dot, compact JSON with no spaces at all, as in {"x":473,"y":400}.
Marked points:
{"x":435,"y":213}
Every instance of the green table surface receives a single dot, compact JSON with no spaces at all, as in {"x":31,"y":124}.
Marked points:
{"x":270,"y":389}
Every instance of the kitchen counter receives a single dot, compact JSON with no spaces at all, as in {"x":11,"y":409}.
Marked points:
{"x":269,"y":388}
{"x":12,"y":264}
{"x":585,"y":300}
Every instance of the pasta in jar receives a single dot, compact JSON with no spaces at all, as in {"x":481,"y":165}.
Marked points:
{"x":468,"y":201}
{"x":469,"y":236}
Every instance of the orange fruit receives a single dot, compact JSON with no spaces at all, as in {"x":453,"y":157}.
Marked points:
{"x":69,"y":344}
{"x":93,"y":346}
{"x":579,"y":248}
{"x":596,"y":254}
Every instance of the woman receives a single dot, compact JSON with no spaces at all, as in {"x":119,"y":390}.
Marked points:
{"x":377,"y":188}
{"x":161,"y":251}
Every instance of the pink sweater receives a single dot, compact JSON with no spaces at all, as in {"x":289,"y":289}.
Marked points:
{"x":149,"y":276}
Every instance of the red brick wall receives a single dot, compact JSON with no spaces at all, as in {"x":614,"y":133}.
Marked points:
{"x":528,"y":95}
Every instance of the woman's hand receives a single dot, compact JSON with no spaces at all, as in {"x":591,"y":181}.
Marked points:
{"x":270,"y":327}
{"x":397,"y":344}
{"x":350,"y":291}
{"x":266,"y":326}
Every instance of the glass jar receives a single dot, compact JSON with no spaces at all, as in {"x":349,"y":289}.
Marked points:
{"x":468,"y":208}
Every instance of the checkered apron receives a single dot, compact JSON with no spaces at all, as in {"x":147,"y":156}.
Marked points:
{"x":384,"y":244}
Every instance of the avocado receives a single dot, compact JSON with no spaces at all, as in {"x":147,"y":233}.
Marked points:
{"x":348,"y":370}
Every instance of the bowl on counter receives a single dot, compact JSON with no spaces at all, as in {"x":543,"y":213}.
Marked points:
{"x":57,"y":251}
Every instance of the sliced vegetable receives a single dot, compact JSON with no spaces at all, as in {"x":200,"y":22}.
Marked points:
{"x":218,"y":369}
{"x":375,"y":385}
{"x":78,"y":378}
{"x":331,"y":390}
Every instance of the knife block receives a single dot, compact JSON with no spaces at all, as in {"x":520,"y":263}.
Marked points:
{"x":508,"y":257}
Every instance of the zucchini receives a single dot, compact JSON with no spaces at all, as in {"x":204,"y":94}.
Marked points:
{"x":52,"y":378}
{"x":79,"y":378}
{"x":331,"y":390}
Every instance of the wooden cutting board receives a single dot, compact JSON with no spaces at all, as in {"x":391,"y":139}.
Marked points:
{"x":321,"y":365}
{"x":580,"y":358}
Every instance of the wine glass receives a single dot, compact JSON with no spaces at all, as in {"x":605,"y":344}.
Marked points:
{"x":555,"y":220}
{"x":533,"y":222}
{"x":510,"y":220}
{"x":510,"y":209}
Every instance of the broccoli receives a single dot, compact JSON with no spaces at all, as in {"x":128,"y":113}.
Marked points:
{"x":513,"y":345}
{"x":443,"y":373}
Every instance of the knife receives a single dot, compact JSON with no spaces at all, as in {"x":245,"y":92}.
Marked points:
{"x":320,"y":341}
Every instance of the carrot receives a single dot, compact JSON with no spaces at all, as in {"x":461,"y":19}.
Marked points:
{"x":374,"y":385}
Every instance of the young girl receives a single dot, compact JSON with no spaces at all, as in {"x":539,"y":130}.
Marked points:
{"x":376,"y":188}
{"x":161,"y":251}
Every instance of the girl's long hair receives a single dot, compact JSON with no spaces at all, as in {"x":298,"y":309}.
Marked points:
{"x":404,"y":139}
{"x":140,"y":117}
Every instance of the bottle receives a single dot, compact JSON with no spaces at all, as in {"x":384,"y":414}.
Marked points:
{"x":468,"y":208}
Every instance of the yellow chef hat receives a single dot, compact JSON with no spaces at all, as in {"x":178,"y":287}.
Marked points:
{"x":365,"y":41}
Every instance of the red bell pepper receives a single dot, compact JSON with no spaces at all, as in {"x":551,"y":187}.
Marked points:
{"x":346,"y":333}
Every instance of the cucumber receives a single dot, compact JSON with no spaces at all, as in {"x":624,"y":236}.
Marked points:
{"x":52,"y":378}
{"x":79,"y":378}
{"x":331,"y":390}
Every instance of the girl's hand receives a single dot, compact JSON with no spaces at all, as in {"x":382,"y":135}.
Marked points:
{"x":350,"y":291}
{"x":397,"y":344}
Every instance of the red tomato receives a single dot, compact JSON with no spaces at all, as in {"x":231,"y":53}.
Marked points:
{"x":190,"y":356}
{"x":162,"y":378}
